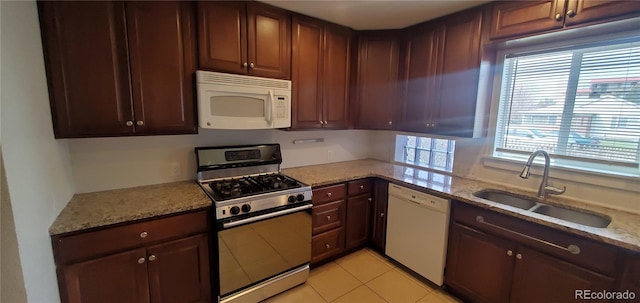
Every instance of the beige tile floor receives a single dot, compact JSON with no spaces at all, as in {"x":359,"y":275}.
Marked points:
{"x":363,"y":276}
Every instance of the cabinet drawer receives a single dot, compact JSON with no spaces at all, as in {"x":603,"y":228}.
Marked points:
{"x":327,"y":244}
{"x":80,"y":246}
{"x":540,"y":237}
{"x":359,"y":187}
{"x":328,"y":216}
{"x":329,"y":193}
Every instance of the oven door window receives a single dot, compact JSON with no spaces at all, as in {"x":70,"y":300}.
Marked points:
{"x":257,"y":251}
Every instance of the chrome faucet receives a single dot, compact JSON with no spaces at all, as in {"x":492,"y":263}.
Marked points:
{"x":544,"y":190}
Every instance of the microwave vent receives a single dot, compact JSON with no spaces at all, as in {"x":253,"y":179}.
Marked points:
{"x":231,"y":79}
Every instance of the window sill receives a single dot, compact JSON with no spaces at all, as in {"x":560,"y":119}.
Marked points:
{"x":625,"y":182}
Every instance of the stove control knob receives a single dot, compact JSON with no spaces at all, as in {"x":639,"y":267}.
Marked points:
{"x":291,"y":199}
{"x":300,"y":197}
{"x":234,"y":210}
{"x":246,"y":208}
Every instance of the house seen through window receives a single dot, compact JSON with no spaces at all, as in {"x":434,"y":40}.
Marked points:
{"x":580,"y":104}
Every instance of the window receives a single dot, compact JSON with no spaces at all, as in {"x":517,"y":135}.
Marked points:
{"x":425,"y":152}
{"x":580,"y":104}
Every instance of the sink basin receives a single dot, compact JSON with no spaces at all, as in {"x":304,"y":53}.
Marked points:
{"x":573,"y":216}
{"x":505,"y":198}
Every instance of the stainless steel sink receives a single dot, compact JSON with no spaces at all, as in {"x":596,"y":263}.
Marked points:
{"x":505,"y":198}
{"x":573,"y":215}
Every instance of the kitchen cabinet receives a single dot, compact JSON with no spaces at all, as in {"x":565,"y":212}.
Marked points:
{"x":320,"y":73}
{"x":379,"y":214}
{"x":141,"y":83}
{"x":162,"y":260}
{"x":359,"y":204}
{"x":244,"y":37}
{"x":328,"y":222}
{"x":441,"y":75}
{"x":518,"y":18}
{"x":631,"y":276}
{"x":377,"y":79}
{"x":496,"y":258}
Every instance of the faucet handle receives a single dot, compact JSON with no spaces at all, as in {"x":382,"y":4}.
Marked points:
{"x":554,"y":190}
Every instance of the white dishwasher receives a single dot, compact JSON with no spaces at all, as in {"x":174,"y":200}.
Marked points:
{"x":417,"y":228}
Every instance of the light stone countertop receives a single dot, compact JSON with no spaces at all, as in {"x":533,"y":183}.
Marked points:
{"x":91,"y":210}
{"x":103,"y":208}
{"x":624,"y":230}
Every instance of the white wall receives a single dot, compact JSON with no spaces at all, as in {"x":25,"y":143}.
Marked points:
{"x":37,"y":166}
{"x":109,"y":163}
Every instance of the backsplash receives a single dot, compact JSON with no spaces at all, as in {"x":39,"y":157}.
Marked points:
{"x":110,"y":163}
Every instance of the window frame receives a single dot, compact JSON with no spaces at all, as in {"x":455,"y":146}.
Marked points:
{"x":593,"y":166}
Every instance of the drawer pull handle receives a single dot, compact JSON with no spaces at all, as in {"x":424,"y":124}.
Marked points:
{"x":143,"y":234}
{"x":572,"y":248}
{"x":327,"y":245}
{"x":329,"y":195}
{"x":328,"y":218}
{"x":509,"y":253}
{"x":152,"y":258}
{"x":141,"y":260}
{"x":361,"y":187}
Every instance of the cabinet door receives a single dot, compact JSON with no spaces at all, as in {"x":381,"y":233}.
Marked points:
{"x":377,"y":79}
{"x":222,"y":36}
{"x":336,"y":77}
{"x":179,"y":271}
{"x":541,"y":278}
{"x":515,"y":18}
{"x":379,"y":218}
{"x":420,"y":78}
{"x":583,"y":11}
{"x":162,"y":42}
{"x":458,"y":74}
{"x":479,"y":265}
{"x":358,"y":220}
{"x":87,"y":64}
{"x":269,"y":41}
{"x":307,"y":74}
{"x":116,"y":278}
{"x":631,"y":277}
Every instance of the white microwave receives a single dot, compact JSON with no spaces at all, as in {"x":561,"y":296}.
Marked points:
{"x":228,"y":101}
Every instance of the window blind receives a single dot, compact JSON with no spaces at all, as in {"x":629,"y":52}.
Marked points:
{"x":580,"y":104}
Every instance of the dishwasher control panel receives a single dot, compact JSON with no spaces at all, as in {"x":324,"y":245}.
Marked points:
{"x":419,"y":198}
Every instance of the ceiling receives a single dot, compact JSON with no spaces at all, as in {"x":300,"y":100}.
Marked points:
{"x":375,"y":14}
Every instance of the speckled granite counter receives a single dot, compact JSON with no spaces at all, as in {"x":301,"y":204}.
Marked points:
{"x":90,"y":210}
{"x":624,"y":230}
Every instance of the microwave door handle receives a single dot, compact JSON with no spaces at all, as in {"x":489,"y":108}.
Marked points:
{"x":268,"y":107}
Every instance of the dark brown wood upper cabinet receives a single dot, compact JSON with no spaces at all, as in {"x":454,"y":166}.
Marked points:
{"x":440,"y":75}
{"x":119,"y":69}
{"x":244,"y":38}
{"x":519,"y":18}
{"x":377,"y":92}
{"x":320,"y":74}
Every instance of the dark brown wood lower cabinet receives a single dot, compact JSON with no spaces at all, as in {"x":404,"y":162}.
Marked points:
{"x":478,"y":265}
{"x":541,"y":278}
{"x":358,"y":220}
{"x":379,"y":214}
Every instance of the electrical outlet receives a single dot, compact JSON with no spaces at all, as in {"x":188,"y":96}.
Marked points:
{"x":329,"y":155}
{"x":174,"y":169}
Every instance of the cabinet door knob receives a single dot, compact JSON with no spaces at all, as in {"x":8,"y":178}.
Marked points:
{"x":328,"y":194}
{"x":509,"y":253}
{"x":143,"y":234}
{"x":325,"y":122}
{"x":321,"y":122}
{"x":381,"y":215}
{"x":129,"y":123}
{"x":558,"y":17}
{"x":519,"y":256}
{"x":571,"y":13}
{"x":140,"y":123}
{"x":251,"y":65}
{"x":328,"y":218}
{"x":152,"y":258}
{"x":141,"y":260}
{"x":369,"y":199}
{"x":327,"y":245}
{"x":390,"y":122}
{"x":244,"y":64}
{"x":361,"y":187}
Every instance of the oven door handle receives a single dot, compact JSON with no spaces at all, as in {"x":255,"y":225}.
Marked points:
{"x":266,"y":216}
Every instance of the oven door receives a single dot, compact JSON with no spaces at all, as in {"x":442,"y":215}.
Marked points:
{"x":254,"y":249}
